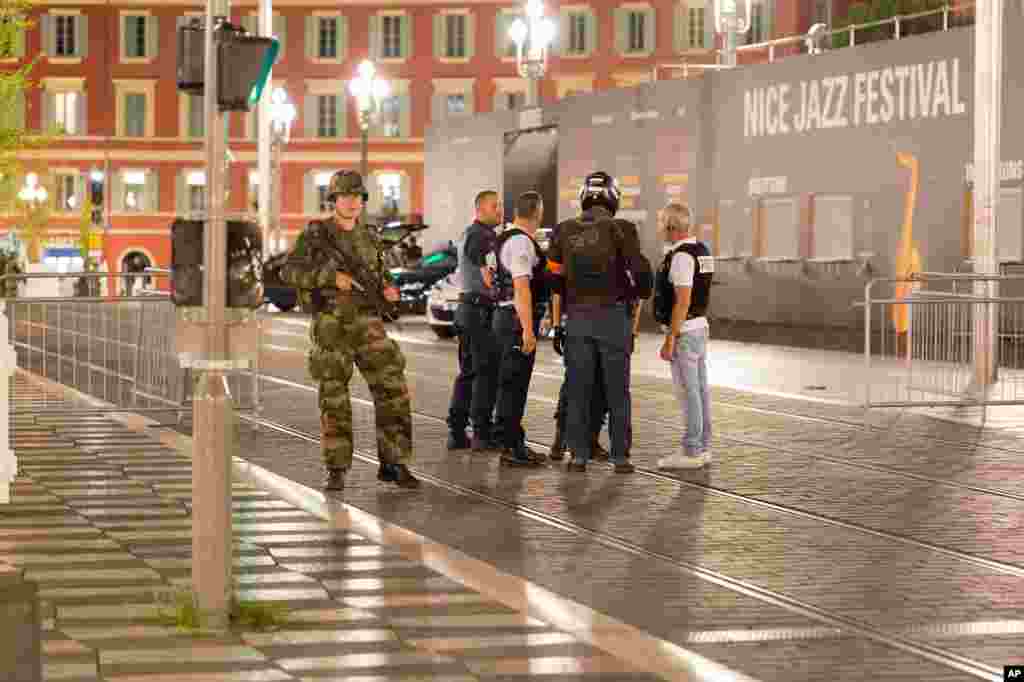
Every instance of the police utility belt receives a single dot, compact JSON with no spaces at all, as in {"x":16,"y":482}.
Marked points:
{"x":476,"y":299}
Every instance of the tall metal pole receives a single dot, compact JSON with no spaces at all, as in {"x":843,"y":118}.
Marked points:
{"x":364,"y":162}
{"x":988,"y":80}
{"x":266,"y":28}
{"x":532,"y":91}
{"x":275,"y":193}
{"x":213,"y":416}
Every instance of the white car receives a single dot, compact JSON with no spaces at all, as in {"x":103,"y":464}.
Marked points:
{"x":442,"y":301}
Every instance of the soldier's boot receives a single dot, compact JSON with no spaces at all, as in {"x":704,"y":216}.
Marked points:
{"x":398,"y":474}
{"x":335,"y":479}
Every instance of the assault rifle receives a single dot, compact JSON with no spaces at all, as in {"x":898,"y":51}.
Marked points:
{"x":363,"y":278}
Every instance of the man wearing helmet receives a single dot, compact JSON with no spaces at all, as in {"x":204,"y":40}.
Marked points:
{"x":347,"y":331}
{"x":598,"y":272}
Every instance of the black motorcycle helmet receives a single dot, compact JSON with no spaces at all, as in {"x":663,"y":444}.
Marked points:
{"x":599,"y":189}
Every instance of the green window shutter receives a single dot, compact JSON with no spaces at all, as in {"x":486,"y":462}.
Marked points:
{"x":152,"y":200}
{"x":312,"y":37}
{"x":127,"y":29}
{"x":309,"y":115}
{"x":591,"y":29}
{"x":769,"y":18}
{"x":309,"y":194}
{"x":404,"y":115}
{"x":501,"y":25}
{"x":342,"y":37}
{"x":680,"y":27}
{"x":116,"y":189}
{"x":342,"y":115}
{"x":621,"y":31}
{"x":49,"y":34}
{"x":375,"y":41}
{"x":470,"y":35}
{"x":650,"y":32}
{"x":49,"y":111}
{"x":405,"y":26}
{"x":152,"y":36}
{"x":709,"y":26}
{"x":81,"y":36}
{"x":180,"y":194}
{"x":19,"y":43}
{"x":562,"y":44}
{"x":440,"y":39}
{"x":82,"y":114}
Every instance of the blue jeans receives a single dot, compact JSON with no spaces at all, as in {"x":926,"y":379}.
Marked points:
{"x":690,"y":378}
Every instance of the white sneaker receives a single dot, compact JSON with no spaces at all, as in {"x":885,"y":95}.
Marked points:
{"x":681,"y":461}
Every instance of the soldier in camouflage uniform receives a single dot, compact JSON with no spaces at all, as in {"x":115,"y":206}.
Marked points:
{"x":347,"y":331}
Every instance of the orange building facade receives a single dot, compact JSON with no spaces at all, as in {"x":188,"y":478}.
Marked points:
{"x":106,"y":75}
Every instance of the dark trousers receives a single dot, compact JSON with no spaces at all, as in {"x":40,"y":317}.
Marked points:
{"x":598,"y":408}
{"x":475,"y":388}
{"x":599,"y":352}
{"x":514,"y":375}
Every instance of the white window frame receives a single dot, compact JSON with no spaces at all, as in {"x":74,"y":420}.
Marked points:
{"x":404,"y":202}
{"x":121,"y":203}
{"x":191,"y":175}
{"x":757,"y":9}
{"x":54,"y":16}
{"x":321,"y":183}
{"x":139,"y":86}
{"x":338,"y":18}
{"x":62,"y":105}
{"x":123,"y":29}
{"x":399,"y":88}
{"x":466,"y":28}
{"x":691,"y":12}
{"x":642,"y":16}
{"x":320,"y":119}
{"x":514,"y":13}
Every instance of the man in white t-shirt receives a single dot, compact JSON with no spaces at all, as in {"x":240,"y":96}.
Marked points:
{"x":689,"y":283}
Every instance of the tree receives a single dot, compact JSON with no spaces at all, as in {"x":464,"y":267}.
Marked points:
{"x":14,"y":138}
{"x":870,"y":11}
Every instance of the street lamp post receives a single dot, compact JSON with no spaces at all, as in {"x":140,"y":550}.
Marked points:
{"x":33,"y":197}
{"x":368,"y":91}
{"x":532,"y":38}
{"x":282,"y":114}
{"x":727,"y":21}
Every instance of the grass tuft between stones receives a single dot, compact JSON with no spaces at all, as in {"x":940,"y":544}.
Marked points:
{"x":179,"y":608}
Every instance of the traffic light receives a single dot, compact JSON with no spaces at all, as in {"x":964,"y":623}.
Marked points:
{"x":244,"y":281}
{"x":243,"y":64}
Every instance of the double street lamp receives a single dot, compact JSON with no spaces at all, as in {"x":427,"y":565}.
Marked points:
{"x":369,"y":91}
{"x":32,"y":193}
{"x":532,"y":38}
{"x":728,"y":21}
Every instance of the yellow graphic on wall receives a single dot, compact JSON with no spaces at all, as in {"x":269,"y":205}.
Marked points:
{"x":908,"y":259}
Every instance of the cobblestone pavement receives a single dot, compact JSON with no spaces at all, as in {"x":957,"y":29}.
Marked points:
{"x":812,"y":549}
{"x":100,"y":519}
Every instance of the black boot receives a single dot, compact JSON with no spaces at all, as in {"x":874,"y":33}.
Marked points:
{"x":335,"y":479}
{"x":398,"y":474}
{"x":521,"y":456}
{"x":482,"y":442}
{"x":457,"y":440}
{"x":558,"y":447}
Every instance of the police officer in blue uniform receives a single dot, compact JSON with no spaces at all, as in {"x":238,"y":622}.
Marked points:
{"x":522,"y":293}
{"x":475,"y":387}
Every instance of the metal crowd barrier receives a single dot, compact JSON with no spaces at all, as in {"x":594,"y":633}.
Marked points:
{"x":921,"y":337}
{"x":118,"y":349}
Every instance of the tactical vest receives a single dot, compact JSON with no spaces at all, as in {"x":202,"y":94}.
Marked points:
{"x":539,"y":292}
{"x":700,"y":294}
{"x":469,"y":276}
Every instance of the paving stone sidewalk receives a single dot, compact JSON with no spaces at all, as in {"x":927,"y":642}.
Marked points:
{"x":100,"y":519}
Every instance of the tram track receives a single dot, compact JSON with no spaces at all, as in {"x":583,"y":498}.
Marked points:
{"x":777,"y":599}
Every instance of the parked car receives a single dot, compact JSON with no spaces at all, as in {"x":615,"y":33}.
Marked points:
{"x":414,"y":284}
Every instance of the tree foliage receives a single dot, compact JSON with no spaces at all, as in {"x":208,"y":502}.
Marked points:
{"x":14,"y":137}
{"x":869,"y":11}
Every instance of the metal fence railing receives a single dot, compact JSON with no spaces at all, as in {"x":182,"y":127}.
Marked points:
{"x":119,"y":350}
{"x":923,"y":337}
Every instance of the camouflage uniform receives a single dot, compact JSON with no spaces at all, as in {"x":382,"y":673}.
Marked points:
{"x":346,"y":331}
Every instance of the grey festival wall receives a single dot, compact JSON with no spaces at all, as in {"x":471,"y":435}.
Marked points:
{"x":790,"y":167}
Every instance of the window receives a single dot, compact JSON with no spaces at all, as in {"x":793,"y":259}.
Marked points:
{"x":67,"y":196}
{"x":327,"y":116}
{"x":195,"y":184}
{"x":390,"y":117}
{"x":695,"y":28}
{"x":64,"y":35}
{"x":321,"y":183}
{"x":456,"y":104}
{"x":822,"y":12}
{"x":757,"y":23}
{"x":135,"y":36}
{"x":134,"y":191}
{"x":66,"y":111}
{"x":636,"y":31}
{"x":577,"y":33}
{"x":135,"y":114}
{"x":327,"y":43}
{"x":389,"y":194}
{"x":455,"y":35}
{"x":391,"y":36}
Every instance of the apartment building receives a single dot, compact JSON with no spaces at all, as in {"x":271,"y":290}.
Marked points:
{"x":106,"y":77}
